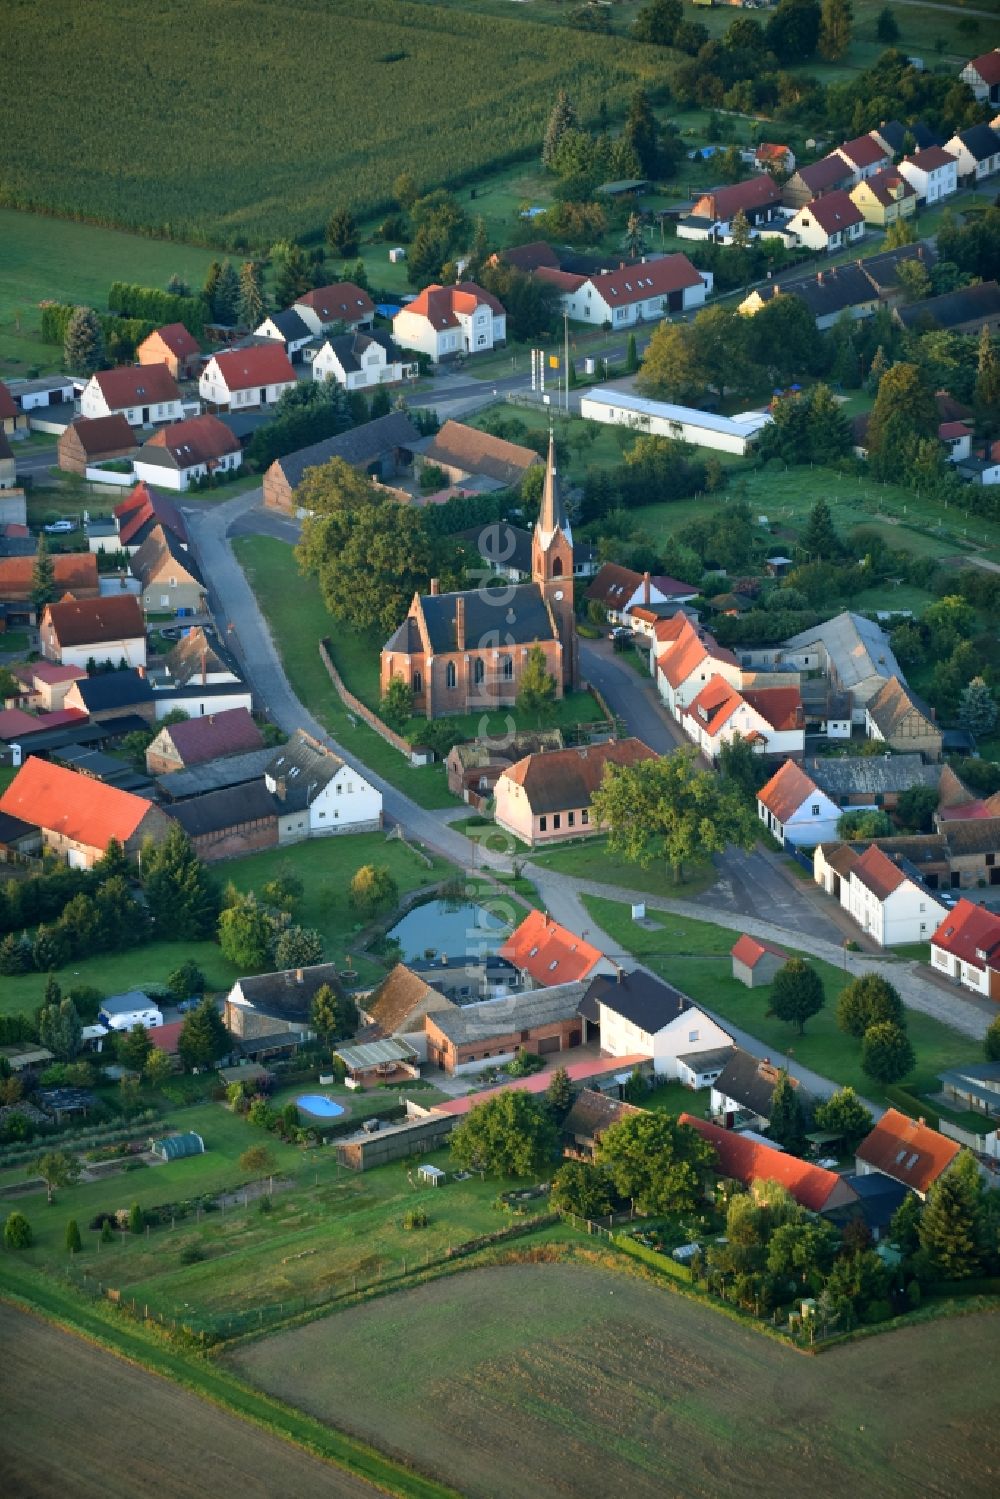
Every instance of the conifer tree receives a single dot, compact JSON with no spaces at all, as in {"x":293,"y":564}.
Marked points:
{"x":988,"y":382}
{"x":561,"y":119}
{"x":951,"y":1222}
{"x":819,"y":540}
{"x":83,"y":346}
{"x":250,"y":304}
{"x":180,"y":896}
{"x":43,"y":576}
{"x":225,"y":303}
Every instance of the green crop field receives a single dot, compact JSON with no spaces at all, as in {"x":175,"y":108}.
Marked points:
{"x":246,"y":121}
{"x":537,"y":1381}
{"x":695,"y":957}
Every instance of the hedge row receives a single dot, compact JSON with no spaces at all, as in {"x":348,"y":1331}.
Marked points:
{"x":916,"y":1108}
{"x":652,"y":1257}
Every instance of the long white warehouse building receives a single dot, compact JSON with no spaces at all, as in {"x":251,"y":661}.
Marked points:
{"x":728,"y":434}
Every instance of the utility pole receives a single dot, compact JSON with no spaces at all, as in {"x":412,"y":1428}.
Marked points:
{"x":566,"y":355}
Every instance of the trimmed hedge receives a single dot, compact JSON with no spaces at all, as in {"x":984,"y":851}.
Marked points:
{"x":909,"y":1103}
{"x":652,"y":1257}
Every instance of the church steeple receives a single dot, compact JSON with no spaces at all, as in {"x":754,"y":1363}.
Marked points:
{"x":552,"y":514}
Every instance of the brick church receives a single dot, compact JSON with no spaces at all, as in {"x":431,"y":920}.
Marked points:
{"x":461,"y":652}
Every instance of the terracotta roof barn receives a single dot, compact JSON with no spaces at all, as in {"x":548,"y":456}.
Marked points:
{"x":747,"y":1160}
{"x":549,"y":953}
{"x":76,"y":809}
{"x":908,"y":1150}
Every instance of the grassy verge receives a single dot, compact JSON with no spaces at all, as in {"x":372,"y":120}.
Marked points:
{"x":698,"y":962}
{"x":590,"y":860}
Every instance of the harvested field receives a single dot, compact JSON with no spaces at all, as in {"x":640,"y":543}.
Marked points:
{"x":563,"y":1380}
{"x":79,"y":1422}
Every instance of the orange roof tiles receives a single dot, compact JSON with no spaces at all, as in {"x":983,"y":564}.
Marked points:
{"x":787,"y":789}
{"x":781,"y":707}
{"x":714,"y":705}
{"x":637,"y":283}
{"x":877,"y":871}
{"x":440,"y":305}
{"x":264,"y":364}
{"x":745,"y":1160}
{"x":137,"y":385}
{"x":968,"y":931}
{"x":91,"y":621}
{"x":177,"y":339}
{"x":73,"y":805}
{"x":750,"y":950}
{"x":71,"y":570}
{"x":548,"y":952}
{"x":907,"y":1150}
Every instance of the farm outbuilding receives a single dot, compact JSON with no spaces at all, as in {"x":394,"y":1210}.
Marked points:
{"x":177,"y":1147}
{"x":755,"y":963}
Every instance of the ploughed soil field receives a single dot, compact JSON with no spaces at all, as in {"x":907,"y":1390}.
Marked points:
{"x":542,"y":1380}
{"x":78,"y":1423}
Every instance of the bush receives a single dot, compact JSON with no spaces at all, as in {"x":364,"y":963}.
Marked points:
{"x":17,"y":1232}
{"x":191,"y":1254}
{"x":415,"y":1218}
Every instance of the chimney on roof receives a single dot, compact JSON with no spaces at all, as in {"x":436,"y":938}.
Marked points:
{"x":619,"y":973}
{"x":204,"y":667}
{"x":921,"y":1121}
{"x":645,"y":587}
{"x":141,"y":671}
{"x":819,"y":278}
{"x":920,"y":252}
{"x":460,"y":623}
{"x":298,"y":975}
{"x":434,"y":588}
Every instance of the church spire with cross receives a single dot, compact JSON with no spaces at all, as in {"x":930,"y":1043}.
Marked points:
{"x":552,"y":515}
{"x":552,"y":563}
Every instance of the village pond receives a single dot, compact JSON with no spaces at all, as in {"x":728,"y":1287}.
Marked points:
{"x":449,"y":929}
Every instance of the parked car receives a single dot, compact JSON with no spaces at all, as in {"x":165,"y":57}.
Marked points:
{"x":59,"y":527}
{"x":190,"y":1003}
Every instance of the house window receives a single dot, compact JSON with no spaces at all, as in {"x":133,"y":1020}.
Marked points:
{"x":585,"y":816}
{"x":450,"y":676}
{"x":507,"y":668}
{"x":571,"y":819}
{"x":556,"y":821}
{"x":418,"y":682}
{"x":692,"y":1036}
{"x":543,"y":824}
{"x":479,"y":670}
{"x":814,"y":809}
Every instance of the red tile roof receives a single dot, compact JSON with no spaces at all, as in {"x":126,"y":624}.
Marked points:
{"x":889,"y":186}
{"x":440,"y":305}
{"x":167,"y":1037}
{"x":770,"y":151}
{"x":907,"y":1150}
{"x":787,"y":789}
{"x":714,"y":705}
{"x":947,"y":430}
{"x":8,"y":406}
{"x":264,"y":364}
{"x":16,"y":724}
{"x":98,"y":435}
{"x":137,"y":385}
{"x":863,"y":151}
{"x":92,"y":621}
{"x":824,"y":174}
{"x":142,"y":506}
{"x":203,"y":439}
{"x":968,"y":931}
{"x":343,"y":302}
{"x":726,"y":202}
{"x":214,"y":735}
{"x":49,"y":672}
{"x":987,"y":66}
{"x":747,"y":1161}
{"x":685,"y":655}
{"x":563,"y":780}
{"x":73,"y":805}
{"x":750,"y":950}
{"x":549,"y":952}
{"x":976,"y":811}
{"x":562,"y":280}
{"x":71,"y":570}
{"x":834,"y":212}
{"x":673,"y":587}
{"x":781,"y":707}
{"x":930,"y":159}
{"x":636,"y":283}
{"x":878,"y":873}
{"x":177,"y":339}
{"x":666,"y":631}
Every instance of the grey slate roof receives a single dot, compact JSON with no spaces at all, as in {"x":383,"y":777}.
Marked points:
{"x":516,"y":1012}
{"x":350,"y":347}
{"x":750,"y":1082}
{"x":835,"y":289}
{"x":113,"y":689}
{"x":518,"y":614}
{"x":874,"y":774}
{"x":216,"y":811}
{"x":360,"y":446}
{"x":970,"y":304}
{"x":290,"y":325}
{"x":980,"y":141}
{"x":299,"y":770}
{"x":637,"y":996}
{"x":234,"y":770}
{"x":283,"y":995}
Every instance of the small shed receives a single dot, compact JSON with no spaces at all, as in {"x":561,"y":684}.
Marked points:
{"x":755,"y":963}
{"x":176,"y":1147}
{"x":431,"y":1176}
{"x":378,"y":1061}
{"x":24,"y":1054}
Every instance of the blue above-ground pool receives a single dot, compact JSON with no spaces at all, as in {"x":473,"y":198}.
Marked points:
{"x":319,"y":1106}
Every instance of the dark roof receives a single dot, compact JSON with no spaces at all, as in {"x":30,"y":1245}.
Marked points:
{"x":878,"y":1198}
{"x":923,"y":136}
{"x":290,"y":325}
{"x":300,"y":769}
{"x":158,"y":546}
{"x":98,"y":435}
{"x":95,"y":621}
{"x":12,"y":829}
{"x":234,"y":770}
{"x":970,"y":304}
{"x":196,"y":651}
{"x":749,"y":1081}
{"x":349,"y":347}
{"x":288,"y":994}
{"x":524,"y":620}
{"x":467,"y":448}
{"x":824,"y":174}
{"x":980,"y":141}
{"x":362,"y":445}
{"x":893,"y":133}
{"x":530,"y":257}
{"x":978,"y":835}
{"x":113,"y":689}
{"x":873,"y":774}
{"x":637,"y":996}
{"x":216,"y":811}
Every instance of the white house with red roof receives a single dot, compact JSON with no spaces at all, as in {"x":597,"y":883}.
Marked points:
{"x":982,"y":75}
{"x":342,"y":304}
{"x":865,"y":155}
{"x":795,"y":810}
{"x":633,"y":294}
{"x":771,"y":718}
{"x":907,"y":1150}
{"x":446,"y":321}
{"x":829,"y":223}
{"x":546,"y":953}
{"x":966,"y":947}
{"x":141,"y":393}
{"x":888,"y":900}
{"x":688,"y":663}
{"x":957,"y":438}
{"x":932,"y":173}
{"x":179,"y":454}
{"x":239,"y":379}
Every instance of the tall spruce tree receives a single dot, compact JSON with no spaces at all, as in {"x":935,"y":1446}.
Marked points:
{"x":250,"y":306}
{"x":211,"y":282}
{"x":225,"y":302}
{"x":181,"y":898}
{"x":43,"y":576}
{"x":83,"y":346}
{"x":819,"y":540}
{"x":951,"y":1223}
{"x":641,"y":132}
{"x":988,"y":383}
{"x":787,"y":1123}
{"x":561,"y":119}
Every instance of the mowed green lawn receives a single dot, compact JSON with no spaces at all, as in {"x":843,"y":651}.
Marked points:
{"x":592,"y":860}
{"x":113,"y":973}
{"x":57,"y":259}
{"x":298,"y":620}
{"x":698,"y":963}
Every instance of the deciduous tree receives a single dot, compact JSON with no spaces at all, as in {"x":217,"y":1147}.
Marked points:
{"x":797,"y":993}
{"x":667,"y":808}
{"x":57,"y":1169}
{"x":132,"y":1047}
{"x":835,"y":29}
{"x":373,"y":889}
{"x":17,"y":1231}
{"x":670,"y":368}
{"x":886,"y":1053}
{"x":845,"y":1115}
{"x":867,"y":1001}
{"x":298,"y":947}
{"x":536,"y":695}
{"x":397,"y":704}
{"x":903,"y":413}
{"x":658,"y":21}
{"x":511,"y":1134}
{"x":158,"y":1068}
{"x":991,"y":1041}
{"x":656,"y":1162}
{"x":584,"y":1189}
